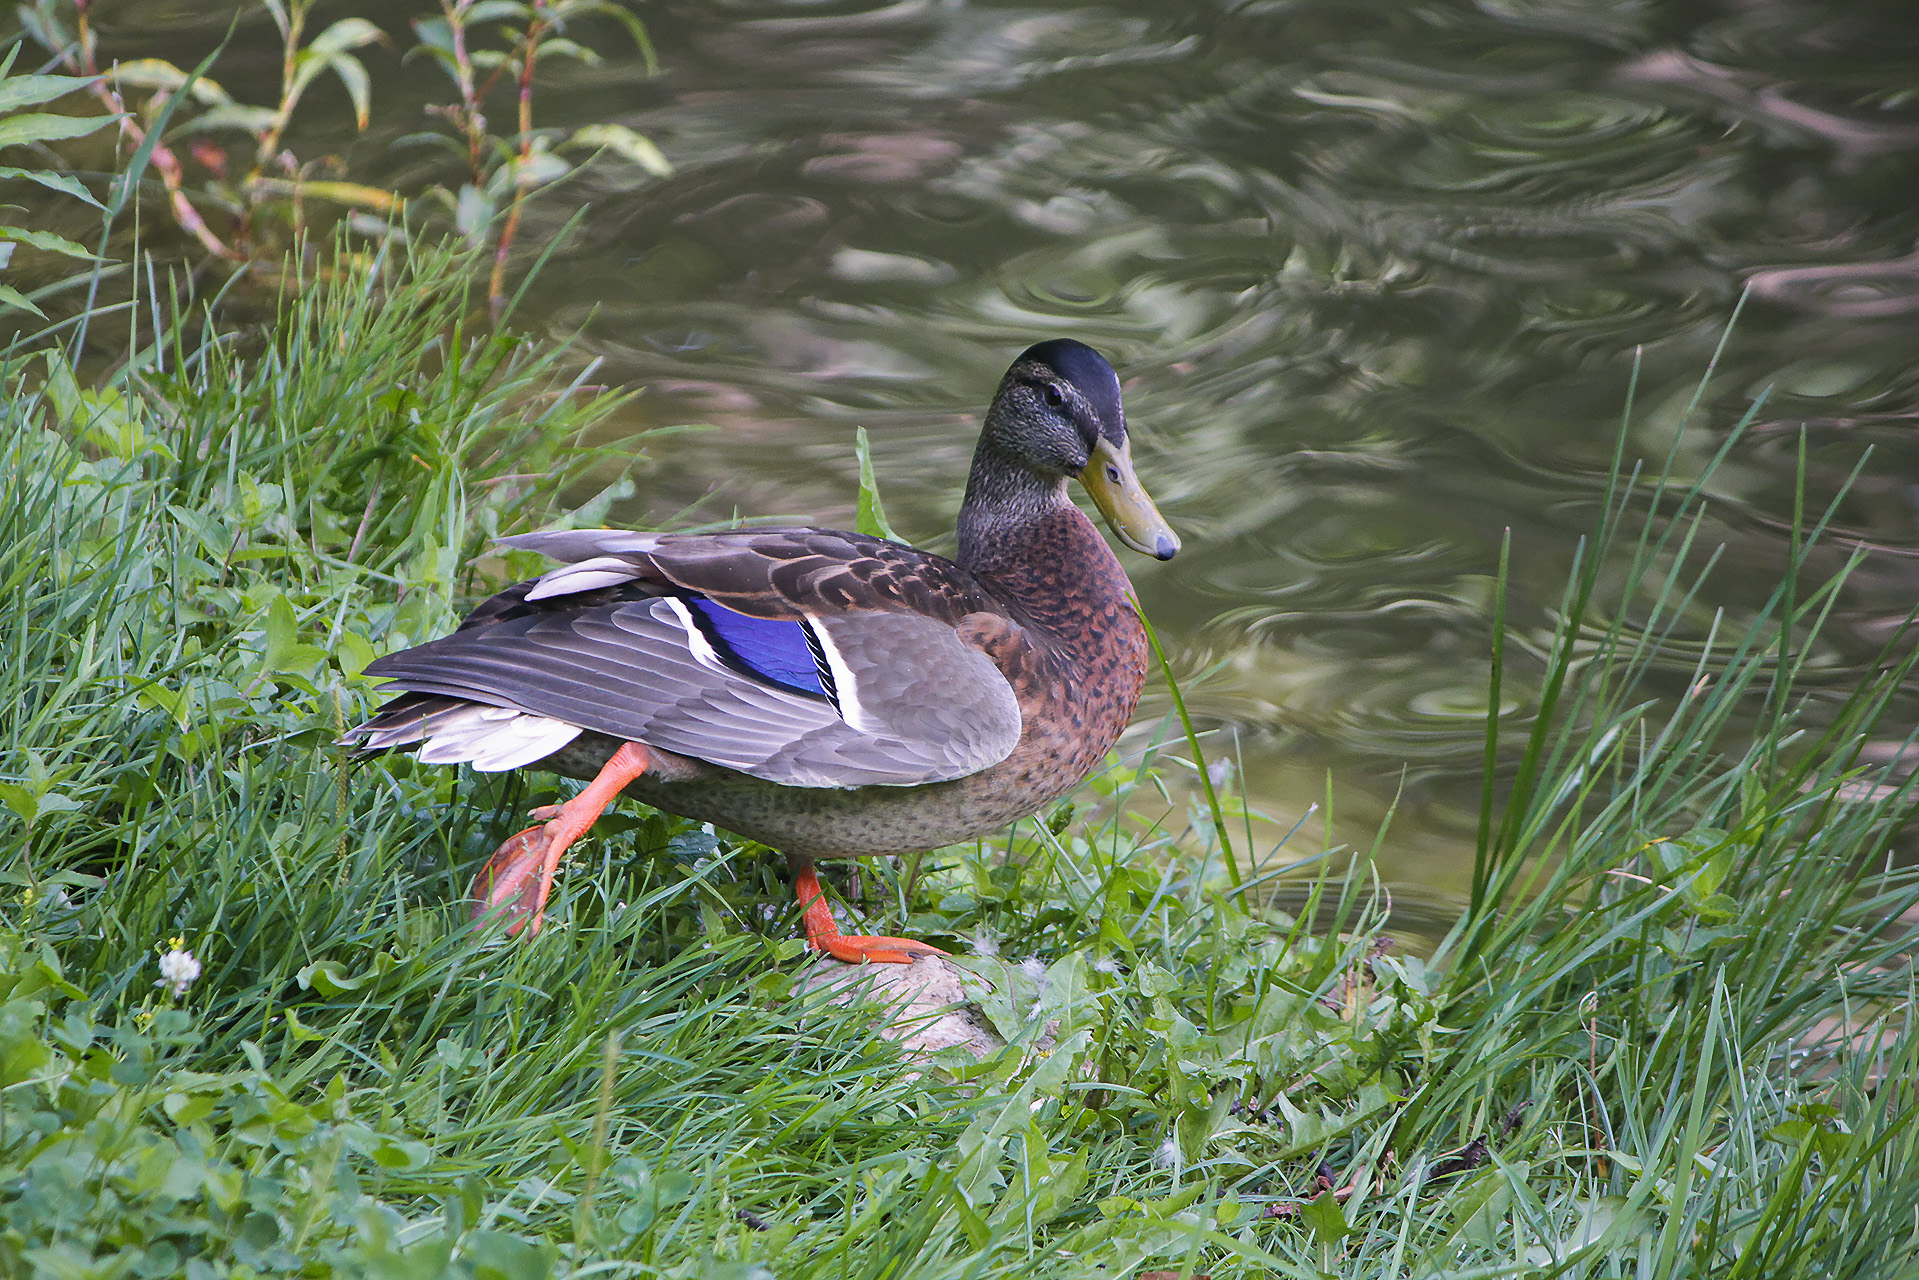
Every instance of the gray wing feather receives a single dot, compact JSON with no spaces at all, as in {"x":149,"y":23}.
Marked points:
{"x":570,"y":546}
{"x":589,"y":558}
{"x":914,"y":679}
{"x":927,"y":707}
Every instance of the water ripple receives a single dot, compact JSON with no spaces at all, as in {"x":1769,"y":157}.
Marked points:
{"x":1376,"y":275}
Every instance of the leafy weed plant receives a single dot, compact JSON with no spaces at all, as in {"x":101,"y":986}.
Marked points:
{"x":236,"y":188}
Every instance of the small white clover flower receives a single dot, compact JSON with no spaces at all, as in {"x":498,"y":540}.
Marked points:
{"x":178,"y":969}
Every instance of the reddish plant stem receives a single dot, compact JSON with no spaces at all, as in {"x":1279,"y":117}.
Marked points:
{"x":530,"y":53}
{"x":474,"y":119}
{"x":164,"y":161}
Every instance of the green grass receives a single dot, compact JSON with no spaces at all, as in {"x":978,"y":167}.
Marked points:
{"x":1670,"y":1036}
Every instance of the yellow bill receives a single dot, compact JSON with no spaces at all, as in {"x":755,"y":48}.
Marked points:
{"x":1115,"y":490}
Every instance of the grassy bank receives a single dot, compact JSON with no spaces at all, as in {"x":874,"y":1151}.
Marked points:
{"x":1671,"y":1036}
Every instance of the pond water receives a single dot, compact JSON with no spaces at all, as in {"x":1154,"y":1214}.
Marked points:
{"x":1374,"y":273}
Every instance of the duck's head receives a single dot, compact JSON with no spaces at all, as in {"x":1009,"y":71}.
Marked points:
{"x":1058,"y":415}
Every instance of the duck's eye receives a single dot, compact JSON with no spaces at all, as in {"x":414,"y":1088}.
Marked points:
{"x":1053,"y":398}
{"x":1112,"y":473}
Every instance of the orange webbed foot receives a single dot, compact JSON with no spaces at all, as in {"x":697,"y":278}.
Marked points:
{"x":512,"y":875}
{"x":520,"y":872}
{"x":856,"y":948}
{"x":823,"y":932}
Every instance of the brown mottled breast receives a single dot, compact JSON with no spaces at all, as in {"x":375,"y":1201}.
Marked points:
{"x":1078,"y":679}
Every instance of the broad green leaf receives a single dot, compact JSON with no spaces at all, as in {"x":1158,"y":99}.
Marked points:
{"x":498,"y":11}
{"x":979,"y":1146}
{"x":108,"y":417}
{"x":435,"y":35}
{"x":21,"y":800}
{"x":625,"y":17}
{"x":347,"y":33}
{"x":53,"y":181}
{"x":185,"y":1108}
{"x":402,"y":1153}
{"x":625,"y":143}
{"x":352,"y":74}
{"x":1127,"y":1206}
{"x":32,"y":802}
{"x":28,"y":91}
{"x":176,"y":704}
{"x":500,"y":1256}
{"x":1323,"y":1215}
{"x":540,"y":169}
{"x":156,"y":73}
{"x":329,"y":977}
{"x":872,"y":516}
{"x":46,"y":976}
{"x":351,"y":653}
{"x":300,"y":1031}
{"x":474,"y":214}
{"x":12,"y":297}
{"x":36,"y":126}
{"x":21,"y":1052}
{"x":285,"y":654}
{"x":234,"y":115}
{"x":550,"y":49}
{"x":47,"y":242}
{"x":349,"y":193}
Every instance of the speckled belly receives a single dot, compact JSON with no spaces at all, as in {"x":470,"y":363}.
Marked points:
{"x":831,"y":822}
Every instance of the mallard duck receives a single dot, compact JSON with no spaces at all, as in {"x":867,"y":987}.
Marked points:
{"x":829,"y":694}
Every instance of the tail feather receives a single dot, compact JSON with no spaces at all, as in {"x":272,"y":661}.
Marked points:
{"x":451,"y":730}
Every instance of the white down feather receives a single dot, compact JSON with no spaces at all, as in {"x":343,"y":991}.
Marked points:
{"x":491,"y":739}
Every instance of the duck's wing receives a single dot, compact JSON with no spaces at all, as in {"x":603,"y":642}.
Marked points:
{"x":805,"y":657}
{"x":769,"y":573}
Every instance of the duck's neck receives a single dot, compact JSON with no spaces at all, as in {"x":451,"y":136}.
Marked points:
{"x":1003,"y":500}
{"x":1023,"y":535}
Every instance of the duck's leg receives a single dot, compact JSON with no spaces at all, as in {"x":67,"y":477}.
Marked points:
{"x":824,"y":934}
{"x":521,"y":870}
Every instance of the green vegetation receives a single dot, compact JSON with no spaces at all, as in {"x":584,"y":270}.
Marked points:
{"x":248,"y":201}
{"x":1670,"y":1036}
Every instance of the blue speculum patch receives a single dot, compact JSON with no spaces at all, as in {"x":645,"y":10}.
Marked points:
{"x":775,"y":650}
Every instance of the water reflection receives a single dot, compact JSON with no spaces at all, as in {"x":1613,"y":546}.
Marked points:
{"x":1375,"y":274}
